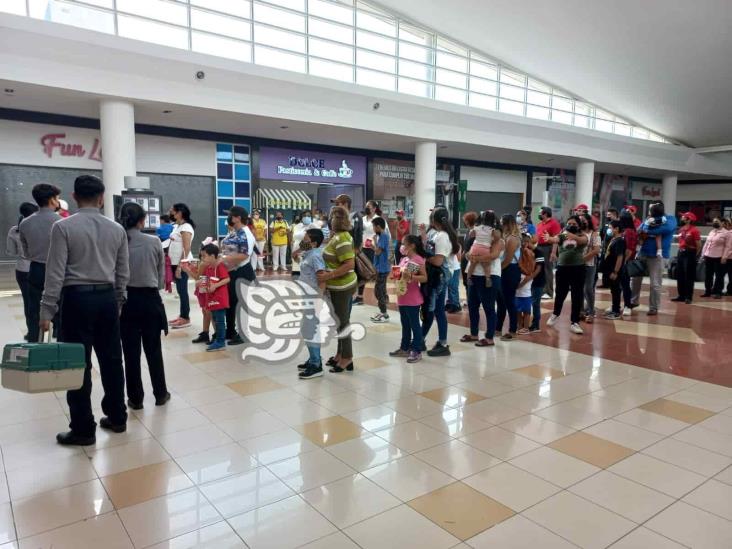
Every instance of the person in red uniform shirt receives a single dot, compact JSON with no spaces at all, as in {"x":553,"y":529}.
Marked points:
{"x":402,"y":230}
{"x":633,"y":211}
{"x":547,"y":224}
{"x":689,"y":250}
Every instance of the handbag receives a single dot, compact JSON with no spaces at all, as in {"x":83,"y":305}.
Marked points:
{"x":636,"y":267}
{"x":365,"y":270}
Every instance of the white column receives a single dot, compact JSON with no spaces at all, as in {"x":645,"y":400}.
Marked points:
{"x":117,"y":123}
{"x":584,"y":181}
{"x":425,"y":167}
{"x":668,"y":194}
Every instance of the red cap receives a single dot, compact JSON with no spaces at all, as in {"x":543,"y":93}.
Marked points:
{"x":632,"y":209}
{"x":582,"y":207}
{"x":690,"y":216}
{"x":399,"y":212}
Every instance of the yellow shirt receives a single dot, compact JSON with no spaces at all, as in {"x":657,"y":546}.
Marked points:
{"x":279,"y":232}
{"x":260,"y":230}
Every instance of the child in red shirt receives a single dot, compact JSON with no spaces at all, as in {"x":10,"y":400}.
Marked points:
{"x":213,"y":291}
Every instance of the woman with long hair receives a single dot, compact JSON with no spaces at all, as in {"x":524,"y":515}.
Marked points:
{"x":143,"y":314}
{"x":592,"y":251}
{"x":179,"y":252}
{"x":630,"y":236}
{"x":510,"y":276}
{"x":14,"y":248}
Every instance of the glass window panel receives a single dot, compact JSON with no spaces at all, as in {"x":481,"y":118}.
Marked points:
{"x":225,"y":188}
{"x":221,"y":47}
{"x":604,"y":115}
{"x":448,"y":61}
{"x":484,"y":71}
{"x":415,"y":53}
{"x":242,"y":187}
{"x":72,"y":14}
{"x":279,"y":59}
{"x":245,"y":203}
{"x":479,"y":85}
{"x":536,"y":85}
{"x":366,"y":77}
{"x":448,"y":78}
{"x":373,"y":42}
{"x":241,"y":172}
{"x":622,"y":129}
{"x":298,"y":5}
{"x":279,"y":38}
{"x":375,"y":61}
{"x":603,"y":125}
{"x":374,"y":22}
{"x":580,"y":121}
{"x":223,"y":227}
{"x":511,"y":107}
{"x":514,"y":78}
{"x":224,"y":170}
{"x":278,"y":17}
{"x":582,"y":108}
{"x":223,"y":152}
{"x":640,"y":133}
{"x":450,"y":95}
{"x":221,"y":24}
{"x":481,"y":58}
{"x":331,"y":31}
{"x":329,"y":50}
{"x":446,"y":45}
{"x":512,"y":92}
{"x":561,"y":103}
{"x":414,"y":87}
{"x":562,"y":117}
{"x":225,"y":205}
{"x":482,"y":101}
{"x":149,"y":31}
{"x":168,"y":12}
{"x":416,"y":35}
{"x":240,"y":8}
{"x":331,"y":10}
{"x":541,"y":113}
{"x":415,"y":70}
{"x":16,"y":7}
{"x":538,"y":98}
{"x":329,"y":69}
{"x":655,"y":137}
{"x":241,"y":154}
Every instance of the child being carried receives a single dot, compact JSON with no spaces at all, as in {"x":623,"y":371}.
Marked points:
{"x":484,"y":235}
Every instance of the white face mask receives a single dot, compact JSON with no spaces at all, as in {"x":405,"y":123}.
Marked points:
{"x":519,"y":220}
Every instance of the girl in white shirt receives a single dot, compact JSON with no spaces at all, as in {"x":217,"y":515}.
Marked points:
{"x":179,"y":252}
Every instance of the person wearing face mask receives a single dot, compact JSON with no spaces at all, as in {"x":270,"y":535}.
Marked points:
{"x":689,"y":251}
{"x":260,"y":236}
{"x":569,"y":247}
{"x":547,"y":229}
{"x":717,"y":248}
{"x":279,"y":232}
{"x":402,"y":231}
{"x":524,"y":222}
{"x":371,"y":211}
{"x":310,"y":256}
{"x":606,"y":234}
{"x":298,"y":232}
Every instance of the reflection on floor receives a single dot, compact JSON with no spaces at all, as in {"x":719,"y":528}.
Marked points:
{"x":526,"y":444}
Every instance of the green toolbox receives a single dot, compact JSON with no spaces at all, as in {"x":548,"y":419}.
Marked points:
{"x":43,"y":367}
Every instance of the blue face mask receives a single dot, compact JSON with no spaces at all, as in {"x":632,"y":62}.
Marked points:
{"x":307,"y":220}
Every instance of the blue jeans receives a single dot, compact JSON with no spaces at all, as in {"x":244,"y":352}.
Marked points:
{"x":181,"y":286}
{"x":453,"y":289}
{"x":412,"y":339}
{"x":219,"y":319}
{"x":510,"y":278}
{"x":435,"y":310}
{"x":479,"y":295}
{"x":536,"y":293}
{"x":314,"y":354}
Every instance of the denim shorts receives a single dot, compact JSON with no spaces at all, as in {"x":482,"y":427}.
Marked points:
{"x":523,"y":304}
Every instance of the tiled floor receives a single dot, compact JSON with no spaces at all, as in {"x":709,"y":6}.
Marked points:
{"x":516,"y":446}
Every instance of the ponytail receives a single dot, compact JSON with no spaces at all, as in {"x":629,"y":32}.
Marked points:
{"x":130,"y":215}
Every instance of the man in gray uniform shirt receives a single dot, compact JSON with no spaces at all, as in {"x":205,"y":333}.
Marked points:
{"x":86,"y":281}
{"x":35,"y":236}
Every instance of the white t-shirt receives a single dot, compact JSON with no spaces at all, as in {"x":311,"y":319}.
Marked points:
{"x":593,"y":241}
{"x":443,"y":246}
{"x":454,"y":262}
{"x":525,"y":290}
{"x":175,"y":251}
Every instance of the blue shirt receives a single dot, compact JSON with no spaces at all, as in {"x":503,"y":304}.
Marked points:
{"x":667,"y":235}
{"x":164,"y":231}
{"x":381,"y":261}
{"x":310,"y":263}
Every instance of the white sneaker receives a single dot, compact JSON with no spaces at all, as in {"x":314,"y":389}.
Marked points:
{"x":627,"y":311}
{"x":576,"y":328}
{"x":552,"y":320}
{"x":609,"y":310}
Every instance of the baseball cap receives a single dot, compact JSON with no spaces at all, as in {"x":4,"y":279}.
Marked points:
{"x":631,"y":208}
{"x":399,"y":212}
{"x":690,"y":216}
{"x":582,"y":207}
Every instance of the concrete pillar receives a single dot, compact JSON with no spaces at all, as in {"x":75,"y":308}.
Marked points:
{"x":584,"y":181}
{"x":117,"y":123}
{"x":425,"y":167}
{"x":668,"y":194}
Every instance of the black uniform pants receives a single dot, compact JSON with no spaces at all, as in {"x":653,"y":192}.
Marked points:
{"x":686,"y":273}
{"x":247,"y":273}
{"x":142,"y":320}
{"x":36,"y":283}
{"x":714,"y":281}
{"x":90,"y":315}
{"x":570,"y":280}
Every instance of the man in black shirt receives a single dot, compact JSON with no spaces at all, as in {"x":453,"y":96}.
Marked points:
{"x":613,"y":267}
{"x":606,"y":234}
{"x":537,"y":289}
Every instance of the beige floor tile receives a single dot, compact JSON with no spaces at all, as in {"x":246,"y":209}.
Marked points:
{"x":330,"y":430}
{"x":365,"y":452}
{"x":457,"y":459}
{"x":518,"y":533}
{"x":500,"y":443}
{"x":251,"y":425}
{"x":345,"y":402}
{"x":719,"y":424}
{"x":660,"y":331}
{"x":399,"y":528}
{"x":203,"y":356}
{"x":555,"y":467}
{"x":282,"y":525}
{"x":413,"y":436}
{"x":725,"y":476}
{"x":650,"y":421}
{"x":453,"y":397}
{"x":569,"y":415}
{"x":299,"y":413}
{"x":579,"y":521}
{"x":524,"y":400}
{"x":241,"y":493}
{"x":145,"y":483}
{"x":485,"y":387}
{"x":172,"y":421}
{"x":7,"y":529}
{"x":692,"y":527}
{"x":254,"y":386}
{"x":334,"y":541}
{"x":350,"y":500}
{"x":688,"y":456}
{"x":537,"y":428}
{"x":415,"y":406}
{"x":713,"y":496}
{"x":493,"y":412}
{"x":277,"y":446}
{"x":102,"y":531}
{"x":168,"y":517}
{"x":190,"y":441}
{"x":643,"y":538}
{"x":377,"y":417}
{"x":310,"y":470}
{"x":369,"y":362}
{"x":659,"y":475}
{"x":229,"y":409}
{"x":37,"y":478}
{"x":714,"y":442}
{"x":677,"y":410}
{"x":542,"y":372}
{"x":455,"y":422}
{"x":408,"y":478}
{"x":594,"y":450}
{"x":512,"y":486}
{"x":209,"y":395}
{"x":624,"y":434}
{"x":217,"y":463}
{"x":216,"y":536}
{"x":461,"y":510}
{"x":704,"y":401}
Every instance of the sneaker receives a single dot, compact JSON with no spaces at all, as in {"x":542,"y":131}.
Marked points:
{"x":380,"y":318}
{"x":576,"y":328}
{"x":358,"y":301}
{"x":612,"y":316}
{"x":182,"y":323}
{"x":308,"y":366}
{"x":174,"y":321}
{"x":439,"y":350}
{"x":627,"y":311}
{"x":400,"y":353}
{"x":609,"y":310}
{"x":546,"y":297}
{"x":216,"y":346}
{"x":414,"y":357}
{"x":203,"y":337}
{"x":310,"y":373}
{"x":678,"y":299}
{"x":552,"y":320}
{"x":236,"y":340}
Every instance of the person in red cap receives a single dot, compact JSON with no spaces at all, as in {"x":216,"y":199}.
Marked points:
{"x":633,"y":211}
{"x":402,"y":230}
{"x":581,"y":209}
{"x":689,"y":250}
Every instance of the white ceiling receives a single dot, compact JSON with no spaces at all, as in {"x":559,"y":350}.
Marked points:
{"x":664,"y":64}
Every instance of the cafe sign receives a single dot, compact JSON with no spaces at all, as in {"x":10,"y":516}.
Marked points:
{"x":311,"y":166}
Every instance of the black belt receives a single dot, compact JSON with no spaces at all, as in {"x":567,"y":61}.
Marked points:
{"x":89,"y":288}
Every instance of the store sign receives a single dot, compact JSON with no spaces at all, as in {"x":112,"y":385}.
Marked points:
{"x":400,"y":173}
{"x":310,"y":166}
{"x":647,"y":191}
{"x":56,"y":143}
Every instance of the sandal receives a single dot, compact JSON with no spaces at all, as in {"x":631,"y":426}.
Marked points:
{"x":523,"y":331}
{"x":468,"y":338}
{"x":337,"y":369}
{"x":508,"y":336}
{"x":331,"y":361}
{"x":484,"y":343}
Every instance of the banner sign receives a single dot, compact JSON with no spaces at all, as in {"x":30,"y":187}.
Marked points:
{"x":311,"y":166}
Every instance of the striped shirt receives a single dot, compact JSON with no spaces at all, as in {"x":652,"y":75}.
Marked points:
{"x":339,"y":250}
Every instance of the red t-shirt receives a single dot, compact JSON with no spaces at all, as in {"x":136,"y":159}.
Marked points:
{"x":219,"y":298}
{"x":689,"y":238}
{"x":550,"y":226}
{"x":402,"y":229}
{"x":637,"y":222}
{"x":631,"y":241}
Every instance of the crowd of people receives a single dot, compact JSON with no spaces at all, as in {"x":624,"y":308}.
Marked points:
{"x":108,"y":297}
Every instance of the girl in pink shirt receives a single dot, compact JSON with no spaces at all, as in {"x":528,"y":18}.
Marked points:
{"x":411,"y":272}
{"x":717,"y":248}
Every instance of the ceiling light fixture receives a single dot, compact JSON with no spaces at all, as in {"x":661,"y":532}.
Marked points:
{"x":167,"y":111}
{"x":284,"y":127}
{"x":9,"y":91}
